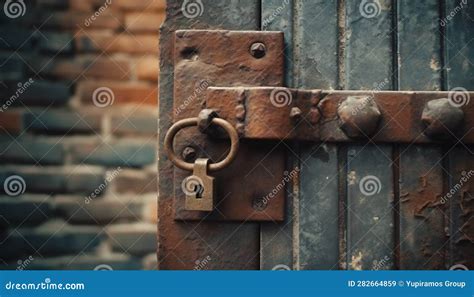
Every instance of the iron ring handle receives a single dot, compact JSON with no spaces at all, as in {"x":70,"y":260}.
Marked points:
{"x":169,"y":137}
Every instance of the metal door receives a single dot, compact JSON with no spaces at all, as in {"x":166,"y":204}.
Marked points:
{"x":349,"y":205}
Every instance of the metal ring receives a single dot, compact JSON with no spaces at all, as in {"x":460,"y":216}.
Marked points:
{"x":234,"y":143}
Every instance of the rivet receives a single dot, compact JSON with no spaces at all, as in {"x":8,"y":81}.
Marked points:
{"x":189,"y":154}
{"x":441,"y":119}
{"x":259,"y":204}
{"x":258,"y":50}
{"x":359,"y":116}
{"x":295,"y":113}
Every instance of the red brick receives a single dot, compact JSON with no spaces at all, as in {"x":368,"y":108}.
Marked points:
{"x":93,"y":20}
{"x":136,"y":123}
{"x":89,"y":41}
{"x":144,"y":22}
{"x":135,"y":182}
{"x":140,"y":4}
{"x":10,"y":122}
{"x":147,"y":68}
{"x":123,"y":93}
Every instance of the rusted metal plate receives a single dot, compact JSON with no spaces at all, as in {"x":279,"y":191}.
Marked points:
{"x":344,"y":116}
{"x":268,"y":113}
{"x":460,"y":196}
{"x":205,"y":58}
{"x":423,"y":239}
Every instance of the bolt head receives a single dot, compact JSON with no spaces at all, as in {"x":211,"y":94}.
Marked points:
{"x":258,"y":50}
{"x":295,"y":113}
{"x":259,"y":204}
{"x":359,"y":116}
{"x":441,"y":119}
{"x":189,"y":154}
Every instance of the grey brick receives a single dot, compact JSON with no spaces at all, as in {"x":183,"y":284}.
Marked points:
{"x":14,"y":38}
{"x":52,"y":238}
{"x":62,"y":121}
{"x":134,"y":125}
{"x":126,"y":153}
{"x":75,"y":262}
{"x":27,"y":150}
{"x":26,"y":209}
{"x":11,"y":68}
{"x":98,"y":211}
{"x":55,"y":180}
{"x":136,"y":239}
{"x":56,"y":43}
{"x":38,"y":93}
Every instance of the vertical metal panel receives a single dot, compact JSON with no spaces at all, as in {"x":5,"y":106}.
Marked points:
{"x":276,"y":240}
{"x":458,"y":18}
{"x":458,"y":21}
{"x":315,"y":57}
{"x":422,"y":235}
{"x":183,"y":245}
{"x":460,"y":196}
{"x":368,"y":50}
{"x":370,"y":208}
{"x":315,"y":44}
{"x":419,"y":58}
{"x":368,"y":65}
{"x":319,"y":209}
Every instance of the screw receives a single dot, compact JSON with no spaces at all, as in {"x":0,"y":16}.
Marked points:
{"x":258,"y":50}
{"x":295,"y":113}
{"x":189,"y":154}
{"x":259,"y":204}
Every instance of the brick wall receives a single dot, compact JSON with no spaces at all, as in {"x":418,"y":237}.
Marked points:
{"x":78,"y":122}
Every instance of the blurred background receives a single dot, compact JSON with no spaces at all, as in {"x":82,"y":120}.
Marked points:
{"x":78,"y":124}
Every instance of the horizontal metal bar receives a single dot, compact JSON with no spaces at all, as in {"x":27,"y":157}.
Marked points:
{"x":276,"y":113}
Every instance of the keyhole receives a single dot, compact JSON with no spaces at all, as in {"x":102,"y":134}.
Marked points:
{"x":198,"y":189}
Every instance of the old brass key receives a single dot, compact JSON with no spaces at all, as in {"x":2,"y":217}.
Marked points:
{"x":199,"y":188}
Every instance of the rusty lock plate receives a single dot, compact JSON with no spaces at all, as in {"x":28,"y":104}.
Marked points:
{"x":204,"y":58}
{"x":276,"y":113}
